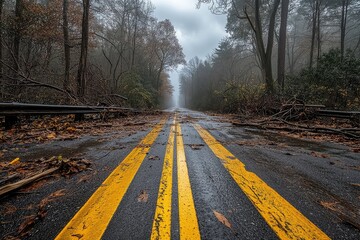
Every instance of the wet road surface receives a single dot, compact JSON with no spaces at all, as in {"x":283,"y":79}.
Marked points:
{"x":192,"y":177}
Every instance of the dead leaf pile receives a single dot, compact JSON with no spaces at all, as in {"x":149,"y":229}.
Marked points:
{"x":25,"y":168}
{"x":26,"y":173}
{"x":71,"y":166}
{"x":65,"y":128}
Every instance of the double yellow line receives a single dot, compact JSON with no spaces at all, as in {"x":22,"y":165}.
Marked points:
{"x":189,"y":228}
{"x":91,"y":221}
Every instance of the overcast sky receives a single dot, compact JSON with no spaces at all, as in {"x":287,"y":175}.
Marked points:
{"x":198,"y":30}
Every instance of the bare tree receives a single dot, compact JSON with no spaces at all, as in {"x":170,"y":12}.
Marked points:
{"x":282,"y":43}
{"x":66,"y":83}
{"x":344,"y":14}
{"x":81,"y":77}
{"x":166,"y":48}
{"x":1,"y":52}
{"x":263,"y":50}
{"x":17,"y":37}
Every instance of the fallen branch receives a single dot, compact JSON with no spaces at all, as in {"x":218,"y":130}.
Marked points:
{"x":318,"y":129}
{"x":27,"y":81}
{"x":9,"y":178}
{"x":13,"y":186}
{"x":297,"y":128}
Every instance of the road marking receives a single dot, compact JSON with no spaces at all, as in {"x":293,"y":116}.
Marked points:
{"x":285,"y":220}
{"x":189,"y":227}
{"x":91,"y":221}
{"x":161,"y":228}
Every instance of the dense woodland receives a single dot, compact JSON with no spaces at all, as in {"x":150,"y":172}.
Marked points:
{"x":86,"y":52}
{"x":277,"y":51}
{"x":101,"y":52}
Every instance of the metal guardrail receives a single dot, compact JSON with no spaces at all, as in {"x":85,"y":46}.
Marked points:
{"x":11,"y":111}
{"x":338,"y":114}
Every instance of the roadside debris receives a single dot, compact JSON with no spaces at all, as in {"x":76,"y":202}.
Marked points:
{"x":29,"y":173}
{"x":341,"y":131}
{"x":63,"y":128}
{"x":154,"y":158}
{"x":13,"y":186}
{"x":196,"y":146}
{"x":345,"y":214}
{"x":143,"y":197}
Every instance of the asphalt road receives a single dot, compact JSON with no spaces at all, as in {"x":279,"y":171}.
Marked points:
{"x":193,"y":176}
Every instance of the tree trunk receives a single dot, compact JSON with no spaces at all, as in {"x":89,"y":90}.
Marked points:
{"x":313,"y":33}
{"x":2,"y":81}
{"x":269,"y":48}
{"x":318,"y":5}
{"x":66,"y":83}
{"x":344,"y":12}
{"x":17,"y":40}
{"x":265,"y":55}
{"x":81,"y":77}
{"x":134,"y":36}
{"x":282,"y":44}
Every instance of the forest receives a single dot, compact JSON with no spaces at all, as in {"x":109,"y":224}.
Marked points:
{"x":108,"y":52}
{"x":278,"y":51}
{"x":116,"y":52}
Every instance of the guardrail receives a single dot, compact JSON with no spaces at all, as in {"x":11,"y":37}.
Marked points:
{"x":11,"y":111}
{"x":338,"y":114}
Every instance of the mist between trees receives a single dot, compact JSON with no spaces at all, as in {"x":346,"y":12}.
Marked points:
{"x":86,"y":52}
{"x":278,"y":50}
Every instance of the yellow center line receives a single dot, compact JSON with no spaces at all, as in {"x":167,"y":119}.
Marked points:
{"x":285,"y":220}
{"x":189,"y":227}
{"x":161,"y":228}
{"x":91,"y":221}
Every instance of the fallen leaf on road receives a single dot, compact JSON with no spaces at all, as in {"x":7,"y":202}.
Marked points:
{"x":329,"y":205}
{"x":355,"y":168}
{"x":26,"y":225}
{"x":319,"y":155}
{"x":154,"y":158}
{"x":58,"y":193}
{"x":355,"y":184}
{"x":84,"y":178}
{"x":222,"y":219}
{"x":196,"y":146}
{"x":143,"y":197}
